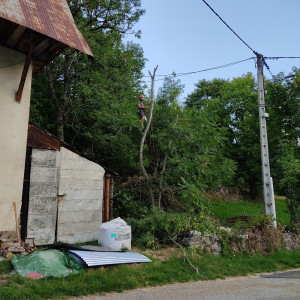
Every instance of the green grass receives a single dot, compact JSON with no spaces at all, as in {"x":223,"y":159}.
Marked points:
{"x":223,"y":210}
{"x":124,"y":277}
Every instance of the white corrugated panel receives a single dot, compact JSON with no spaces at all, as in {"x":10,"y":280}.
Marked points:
{"x":92,"y":258}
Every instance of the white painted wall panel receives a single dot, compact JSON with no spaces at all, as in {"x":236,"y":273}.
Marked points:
{"x":79,"y":205}
{"x":78,"y":227}
{"x":77,"y":194}
{"x":42,"y":236}
{"x":80,"y":237}
{"x":66,"y":184}
{"x":80,"y":201}
{"x":13,"y":134}
{"x":78,"y":216}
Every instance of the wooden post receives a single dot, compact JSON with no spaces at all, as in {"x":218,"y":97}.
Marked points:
{"x":17,"y":226}
{"x":107,"y":197}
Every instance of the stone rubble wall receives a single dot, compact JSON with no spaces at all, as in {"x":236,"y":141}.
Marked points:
{"x":257,"y":241}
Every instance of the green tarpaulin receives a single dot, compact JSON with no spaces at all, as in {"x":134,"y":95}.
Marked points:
{"x":48,"y":263}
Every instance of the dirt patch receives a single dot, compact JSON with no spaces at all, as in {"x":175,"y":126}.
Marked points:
{"x":163,"y":254}
{"x":3,"y":279}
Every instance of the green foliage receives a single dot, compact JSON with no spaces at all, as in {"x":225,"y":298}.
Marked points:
{"x":290,"y":166}
{"x":233,"y":106}
{"x":5,"y":267}
{"x":158,"y":272}
{"x":213,"y":141}
{"x":239,"y":226}
{"x":89,"y":103}
{"x":125,"y":206}
{"x":159,"y":227}
{"x":261,"y":222}
{"x":223,"y":210}
{"x":205,"y":90}
{"x":193,"y":199}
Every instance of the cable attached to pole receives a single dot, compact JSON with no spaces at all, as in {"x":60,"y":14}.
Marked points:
{"x":229,"y":27}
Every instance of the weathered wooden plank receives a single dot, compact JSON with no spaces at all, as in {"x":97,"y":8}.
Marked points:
{"x":37,"y":138}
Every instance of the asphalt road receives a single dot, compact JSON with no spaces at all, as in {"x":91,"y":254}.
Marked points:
{"x":281,"y":285}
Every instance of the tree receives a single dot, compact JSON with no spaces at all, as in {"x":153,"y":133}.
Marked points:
{"x":205,"y":90}
{"x":103,"y":23}
{"x":233,"y":106}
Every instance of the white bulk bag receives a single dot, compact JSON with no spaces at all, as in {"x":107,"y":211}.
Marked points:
{"x":115,"y":234}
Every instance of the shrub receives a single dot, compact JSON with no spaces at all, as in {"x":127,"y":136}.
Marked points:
{"x":159,"y":227}
{"x":127,"y":207}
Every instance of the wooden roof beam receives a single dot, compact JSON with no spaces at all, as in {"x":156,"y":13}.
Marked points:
{"x":15,"y":36}
{"x":24,"y":73}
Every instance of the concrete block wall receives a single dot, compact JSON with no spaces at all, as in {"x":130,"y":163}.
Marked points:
{"x":42,"y":210}
{"x":80,"y":194}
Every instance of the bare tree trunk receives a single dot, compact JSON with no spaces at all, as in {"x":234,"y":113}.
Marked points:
{"x":62,"y":100}
{"x":60,"y":124}
{"x":164,"y":169}
{"x":144,"y":137}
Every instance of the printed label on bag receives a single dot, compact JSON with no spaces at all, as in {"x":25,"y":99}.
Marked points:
{"x":121,"y":237}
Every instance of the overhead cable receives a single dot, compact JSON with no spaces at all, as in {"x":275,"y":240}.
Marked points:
{"x":280,"y":57}
{"x":204,"y":70}
{"x":256,"y":53}
{"x":229,"y":27}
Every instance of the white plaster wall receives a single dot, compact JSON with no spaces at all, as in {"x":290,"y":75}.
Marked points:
{"x":80,"y":198}
{"x":13,"y":134}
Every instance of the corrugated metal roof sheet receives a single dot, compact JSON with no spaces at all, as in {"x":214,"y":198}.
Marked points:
{"x":52,"y":18}
{"x":20,"y":19}
{"x":92,"y":258}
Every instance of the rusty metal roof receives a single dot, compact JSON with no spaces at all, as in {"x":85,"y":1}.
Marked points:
{"x":48,"y":24}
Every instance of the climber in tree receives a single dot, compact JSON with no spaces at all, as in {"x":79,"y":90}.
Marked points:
{"x":141,"y":110}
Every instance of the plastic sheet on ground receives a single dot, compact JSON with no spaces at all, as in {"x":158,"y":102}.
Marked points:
{"x":48,"y":263}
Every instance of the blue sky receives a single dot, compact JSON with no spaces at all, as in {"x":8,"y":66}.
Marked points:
{"x":186,"y":36}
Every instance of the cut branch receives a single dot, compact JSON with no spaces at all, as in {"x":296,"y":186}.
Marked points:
{"x":184,"y":254}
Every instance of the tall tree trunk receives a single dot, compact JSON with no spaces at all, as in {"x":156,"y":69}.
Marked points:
{"x":141,"y":159}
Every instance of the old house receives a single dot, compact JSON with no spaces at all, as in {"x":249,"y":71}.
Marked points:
{"x":32,"y":33}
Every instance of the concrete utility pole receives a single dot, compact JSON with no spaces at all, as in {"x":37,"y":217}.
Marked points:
{"x":268,"y":190}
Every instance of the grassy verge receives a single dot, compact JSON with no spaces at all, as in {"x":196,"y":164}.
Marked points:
{"x":159,"y":272}
{"x":223,"y":210}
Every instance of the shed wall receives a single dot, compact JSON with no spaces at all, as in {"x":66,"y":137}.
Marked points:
{"x":80,"y":198}
{"x":42,"y":210}
{"x":13,"y":134}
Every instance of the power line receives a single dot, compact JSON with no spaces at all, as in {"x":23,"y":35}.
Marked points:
{"x":256,"y":53}
{"x":204,"y":70}
{"x":268,"y":68}
{"x":280,"y":57}
{"x":229,"y":27}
